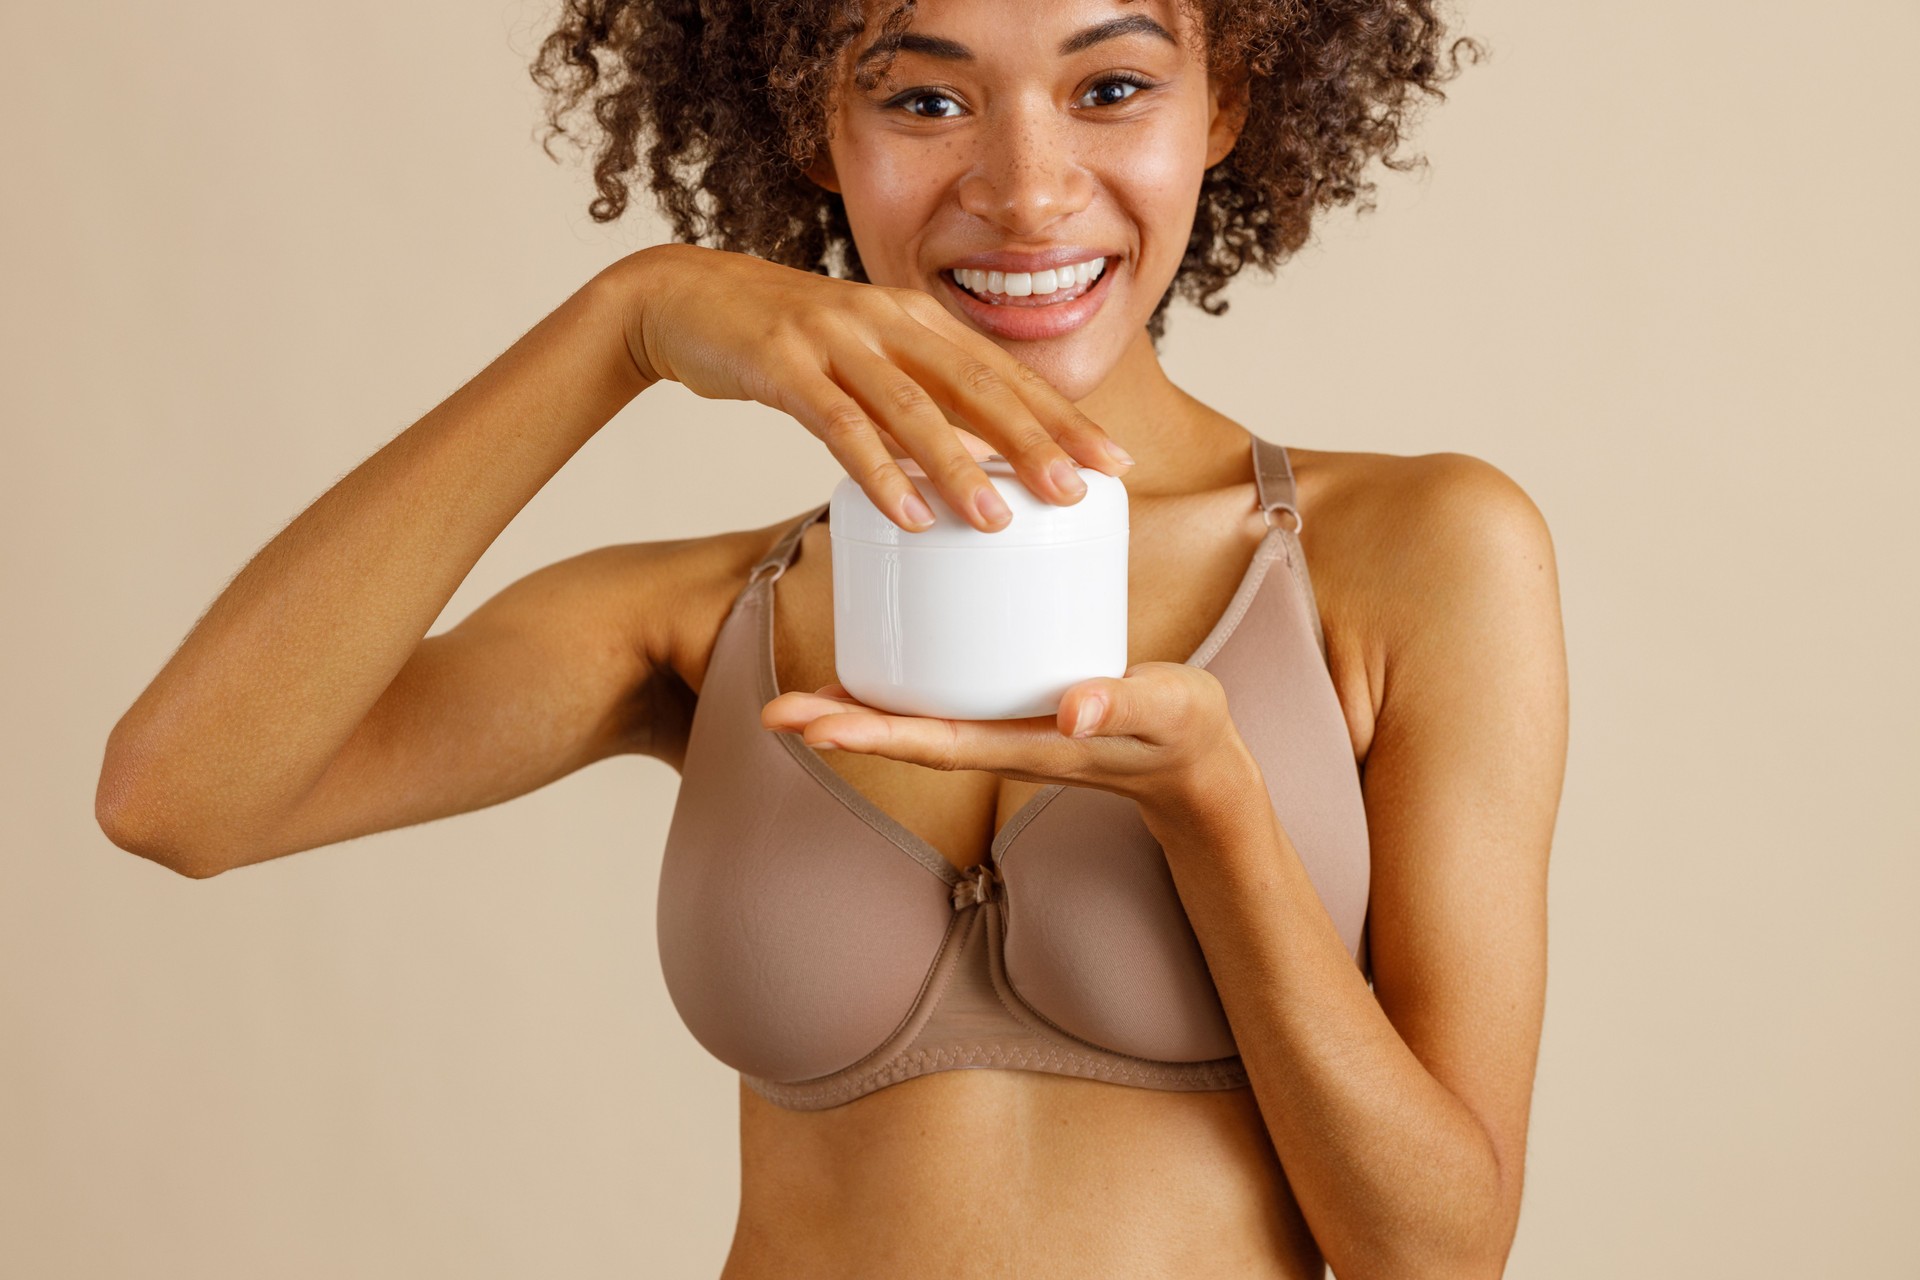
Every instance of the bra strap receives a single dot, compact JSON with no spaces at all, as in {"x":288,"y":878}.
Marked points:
{"x":775,"y":562}
{"x":1273,"y":477}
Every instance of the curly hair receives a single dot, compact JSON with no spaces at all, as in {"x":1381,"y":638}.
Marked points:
{"x":730,"y":99}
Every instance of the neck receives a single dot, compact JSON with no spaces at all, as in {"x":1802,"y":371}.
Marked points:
{"x":1178,"y":444}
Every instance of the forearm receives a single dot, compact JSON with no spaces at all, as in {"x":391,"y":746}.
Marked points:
{"x":286,"y":662}
{"x":1395,"y":1176}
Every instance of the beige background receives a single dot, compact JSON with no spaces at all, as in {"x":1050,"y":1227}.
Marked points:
{"x":1661,"y":272}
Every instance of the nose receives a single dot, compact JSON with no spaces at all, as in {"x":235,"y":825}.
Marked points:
{"x":1028,"y":174}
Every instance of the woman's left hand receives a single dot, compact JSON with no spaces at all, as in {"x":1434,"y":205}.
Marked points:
{"x":1160,"y":734}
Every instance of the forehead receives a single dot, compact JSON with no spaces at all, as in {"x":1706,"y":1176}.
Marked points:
{"x":973,"y":31}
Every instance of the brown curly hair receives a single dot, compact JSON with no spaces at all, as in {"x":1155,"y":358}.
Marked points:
{"x":731,"y":98}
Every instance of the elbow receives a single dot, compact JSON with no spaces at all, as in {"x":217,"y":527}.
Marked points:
{"x":131,"y":824}
{"x":1472,"y":1241}
{"x":125,"y":830}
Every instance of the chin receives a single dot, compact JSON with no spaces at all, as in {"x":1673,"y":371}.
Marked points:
{"x":1074,"y":374}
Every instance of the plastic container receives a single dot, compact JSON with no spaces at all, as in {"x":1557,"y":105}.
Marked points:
{"x":967,"y":625}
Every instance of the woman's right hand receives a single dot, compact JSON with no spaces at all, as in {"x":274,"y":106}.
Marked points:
{"x":869,"y":369}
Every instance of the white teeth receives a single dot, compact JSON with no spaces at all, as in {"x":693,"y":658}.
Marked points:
{"x":1024,"y":284}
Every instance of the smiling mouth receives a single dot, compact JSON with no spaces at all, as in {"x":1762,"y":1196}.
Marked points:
{"x":1004,"y":299}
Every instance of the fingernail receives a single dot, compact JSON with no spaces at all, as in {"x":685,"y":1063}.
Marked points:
{"x":1066,"y":477}
{"x":989,"y":504}
{"x":916,"y":511}
{"x":825,"y":744}
{"x":1120,"y":455}
{"x":1087,"y":716}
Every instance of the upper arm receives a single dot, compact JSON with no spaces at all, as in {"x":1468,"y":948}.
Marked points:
{"x":557,"y":670}
{"x":1462,"y":784}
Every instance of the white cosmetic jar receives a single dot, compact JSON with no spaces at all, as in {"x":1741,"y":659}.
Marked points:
{"x":966,"y":625}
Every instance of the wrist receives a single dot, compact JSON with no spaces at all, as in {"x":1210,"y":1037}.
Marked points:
{"x":1218,"y":794}
{"x":634,"y":287}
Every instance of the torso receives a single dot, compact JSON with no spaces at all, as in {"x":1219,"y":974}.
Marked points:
{"x":983,"y":1172}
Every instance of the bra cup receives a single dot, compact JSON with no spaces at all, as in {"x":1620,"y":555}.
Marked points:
{"x":799,"y":932}
{"x":1286,"y":710}
{"x":788,"y":954}
{"x":1097,"y":941}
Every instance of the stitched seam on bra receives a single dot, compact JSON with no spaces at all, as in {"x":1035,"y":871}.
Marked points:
{"x":850,"y":797}
{"x":933,"y":990}
{"x":1242,"y":601}
{"x":1063,"y":1052}
{"x":946,"y":962}
{"x":885,"y":823}
{"x":852,"y":800}
{"x":1056,"y":1059}
{"x":1003,"y":839}
{"x":1303,"y":584}
{"x":918,"y":1062}
{"x":831,"y":1091}
{"x":1040,"y":1023}
{"x":892,"y":1045}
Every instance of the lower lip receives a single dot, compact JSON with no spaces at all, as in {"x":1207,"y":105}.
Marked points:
{"x":1031,"y":323}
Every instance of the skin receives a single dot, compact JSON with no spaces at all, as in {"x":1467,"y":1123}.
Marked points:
{"x":1003,"y":163}
{"x":1384,"y":1130}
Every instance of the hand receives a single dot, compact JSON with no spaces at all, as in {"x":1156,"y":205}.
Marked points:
{"x":1160,"y":734}
{"x":876,"y":373}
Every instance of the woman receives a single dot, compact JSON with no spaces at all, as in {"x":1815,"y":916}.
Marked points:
{"x":1139,"y":922}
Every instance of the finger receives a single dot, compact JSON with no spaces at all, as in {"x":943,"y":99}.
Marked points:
{"x":1060,"y":420}
{"x":890,"y":396}
{"x":1154,"y":702}
{"x":1030,"y":747}
{"x":842,"y":424}
{"x":979,"y":448}
{"x":979,"y":391}
{"x":794,"y":710}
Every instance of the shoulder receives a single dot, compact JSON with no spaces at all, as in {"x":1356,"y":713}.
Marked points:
{"x":1465,"y":616}
{"x":1415,"y":528}
{"x":1415,"y":505}
{"x":1412,"y":555}
{"x":1461,"y":545}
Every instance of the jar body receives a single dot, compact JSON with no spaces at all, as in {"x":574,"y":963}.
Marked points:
{"x":977,"y":632}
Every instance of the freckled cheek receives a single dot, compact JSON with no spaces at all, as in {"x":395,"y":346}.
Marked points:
{"x":891,"y":198}
{"x":1158,"y":184}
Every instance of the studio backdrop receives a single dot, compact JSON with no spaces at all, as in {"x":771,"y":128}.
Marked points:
{"x":1660,"y":270}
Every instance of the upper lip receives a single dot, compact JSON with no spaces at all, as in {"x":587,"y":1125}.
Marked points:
{"x":1009,"y":260}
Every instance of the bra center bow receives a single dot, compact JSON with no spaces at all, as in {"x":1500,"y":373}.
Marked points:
{"x":976,"y":885}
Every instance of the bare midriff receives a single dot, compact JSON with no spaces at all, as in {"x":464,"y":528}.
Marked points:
{"x":978,"y":1173}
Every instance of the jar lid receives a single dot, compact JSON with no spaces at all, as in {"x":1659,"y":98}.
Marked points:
{"x":1035,"y":521}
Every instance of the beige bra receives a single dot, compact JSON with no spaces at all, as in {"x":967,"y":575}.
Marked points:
{"x":822,"y":950}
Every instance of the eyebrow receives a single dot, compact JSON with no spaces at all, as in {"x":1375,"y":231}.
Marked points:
{"x":954,"y":51}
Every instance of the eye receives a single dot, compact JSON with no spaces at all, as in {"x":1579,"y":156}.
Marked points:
{"x":912,"y":96}
{"x":1124,"y":79}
